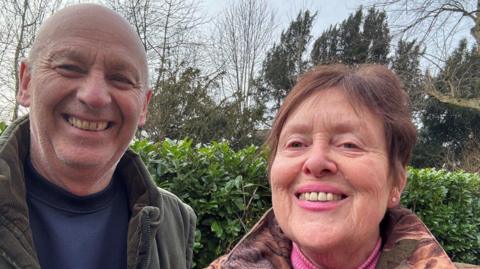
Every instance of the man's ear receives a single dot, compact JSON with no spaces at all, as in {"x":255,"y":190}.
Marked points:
{"x":143,"y":114}
{"x":397,"y":189}
{"x":24,"y":76}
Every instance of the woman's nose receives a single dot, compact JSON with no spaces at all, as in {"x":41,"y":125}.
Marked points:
{"x":319,"y":163}
{"x":94,"y":92}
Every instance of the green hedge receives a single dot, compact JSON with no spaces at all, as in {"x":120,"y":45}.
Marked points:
{"x":229,"y":191}
{"x":449,"y":204}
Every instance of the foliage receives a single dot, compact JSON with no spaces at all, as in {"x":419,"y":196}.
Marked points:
{"x":449,"y":131}
{"x":406,"y":64}
{"x":229,"y":192}
{"x":449,"y":204}
{"x":189,"y":115}
{"x":461,"y":72}
{"x":358,"y":39}
{"x":228,"y":189}
{"x":3,"y":127}
{"x":423,"y":20}
{"x":284,"y":61}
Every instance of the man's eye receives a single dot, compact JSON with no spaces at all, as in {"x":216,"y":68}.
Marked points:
{"x":122,"y":79}
{"x":70,"y":68}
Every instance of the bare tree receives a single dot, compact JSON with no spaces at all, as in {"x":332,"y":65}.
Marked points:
{"x":451,"y":98}
{"x":439,"y":23}
{"x":19,"y":22}
{"x":243,"y":34}
{"x":168,"y":30}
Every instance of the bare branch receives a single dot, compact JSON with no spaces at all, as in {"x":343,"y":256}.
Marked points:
{"x":20,"y":21}
{"x":242,"y":35}
{"x":470,"y":103}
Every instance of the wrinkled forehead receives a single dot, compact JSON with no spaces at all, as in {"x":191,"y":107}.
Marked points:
{"x":310,"y":100}
{"x":92,"y":24}
{"x":329,"y":106}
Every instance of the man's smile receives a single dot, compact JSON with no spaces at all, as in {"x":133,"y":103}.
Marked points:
{"x":87,"y":125}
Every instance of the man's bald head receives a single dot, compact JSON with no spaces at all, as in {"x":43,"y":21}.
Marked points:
{"x":86,"y":86}
{"x":87,"y":17}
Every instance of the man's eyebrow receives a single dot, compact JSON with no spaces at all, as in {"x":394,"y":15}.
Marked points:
{"x":69,"y":54}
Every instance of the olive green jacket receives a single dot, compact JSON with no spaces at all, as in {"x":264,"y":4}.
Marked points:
{"x":161,"y":228}
{"x":407,"y":244}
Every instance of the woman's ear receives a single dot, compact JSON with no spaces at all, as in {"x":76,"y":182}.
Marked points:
{"x":397,"y":189}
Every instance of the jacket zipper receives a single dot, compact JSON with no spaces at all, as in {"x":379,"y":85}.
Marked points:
{"x":147,"y":239}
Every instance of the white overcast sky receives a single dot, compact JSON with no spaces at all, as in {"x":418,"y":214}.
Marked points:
{"x":328,"y":11}
{"x":335,"y":11}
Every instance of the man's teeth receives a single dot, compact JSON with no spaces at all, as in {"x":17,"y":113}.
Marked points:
{"x":320,"y":196}
{"x":88,"y":125}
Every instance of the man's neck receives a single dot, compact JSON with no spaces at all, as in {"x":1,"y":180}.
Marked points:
{"x":80,"y":181}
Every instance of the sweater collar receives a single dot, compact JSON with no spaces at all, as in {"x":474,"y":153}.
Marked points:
{"x":300,"y":261}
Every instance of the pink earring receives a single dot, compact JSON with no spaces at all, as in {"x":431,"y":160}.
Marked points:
{"x":394,"y":199}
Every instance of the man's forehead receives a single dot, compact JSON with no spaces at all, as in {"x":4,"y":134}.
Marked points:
{"x":110,"y":60}
{"x":89,"y":22}
{"x":87,"y":55}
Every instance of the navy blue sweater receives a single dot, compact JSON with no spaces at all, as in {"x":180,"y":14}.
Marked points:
{"x":72,"y":231}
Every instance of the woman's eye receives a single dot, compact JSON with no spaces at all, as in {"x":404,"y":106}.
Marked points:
{"x":350,"y":146}
{"x":295,"y":144}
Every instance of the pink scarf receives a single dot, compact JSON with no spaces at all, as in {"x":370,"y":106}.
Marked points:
{"x":299,"y":261}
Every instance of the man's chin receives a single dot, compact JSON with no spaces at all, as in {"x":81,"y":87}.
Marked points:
{"x":85,"y":161}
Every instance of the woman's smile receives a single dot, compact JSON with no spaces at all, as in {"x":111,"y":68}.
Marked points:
{"x":330,"y":175}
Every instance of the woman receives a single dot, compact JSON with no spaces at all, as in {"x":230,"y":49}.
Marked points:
{"x":339,"y":148}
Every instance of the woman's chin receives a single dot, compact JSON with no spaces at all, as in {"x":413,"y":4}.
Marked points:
{"x":319,"y":242}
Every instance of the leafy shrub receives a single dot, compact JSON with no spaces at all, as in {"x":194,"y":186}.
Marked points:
{"x":229,"y":192}
{"x":449,"y":205}
{"x":227,"y":189}
{"x":3,"y":126}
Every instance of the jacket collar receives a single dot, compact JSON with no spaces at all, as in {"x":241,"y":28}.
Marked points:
{"x":17,"y":241}
{"x":407,"y":244}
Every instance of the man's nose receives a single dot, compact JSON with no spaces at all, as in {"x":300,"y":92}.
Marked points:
{"x":94,"y":92}
{"x":319,"y":162}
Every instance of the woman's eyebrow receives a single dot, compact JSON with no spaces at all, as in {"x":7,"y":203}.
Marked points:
{"x":333,"y":125}
{"x":289,"y":128}
{"x":347,"y":126}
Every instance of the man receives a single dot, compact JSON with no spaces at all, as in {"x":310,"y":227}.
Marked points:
{"x":71,"y":194}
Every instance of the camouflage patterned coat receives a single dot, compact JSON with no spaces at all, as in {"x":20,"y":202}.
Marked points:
{"x":407,"y":243}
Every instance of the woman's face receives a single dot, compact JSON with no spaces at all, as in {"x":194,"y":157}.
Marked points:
{"x":330,"y":177}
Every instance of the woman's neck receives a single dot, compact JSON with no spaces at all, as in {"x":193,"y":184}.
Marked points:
{"x":300,"y":261}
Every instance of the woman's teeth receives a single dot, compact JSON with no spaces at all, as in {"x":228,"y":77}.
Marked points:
{"x":88,"y":125}
{"x":320,"y":196}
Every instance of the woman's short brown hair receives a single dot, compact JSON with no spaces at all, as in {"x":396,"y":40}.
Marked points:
{"x":373,"y":86}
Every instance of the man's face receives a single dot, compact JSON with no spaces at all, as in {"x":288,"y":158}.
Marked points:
{"x":86,"y":91}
